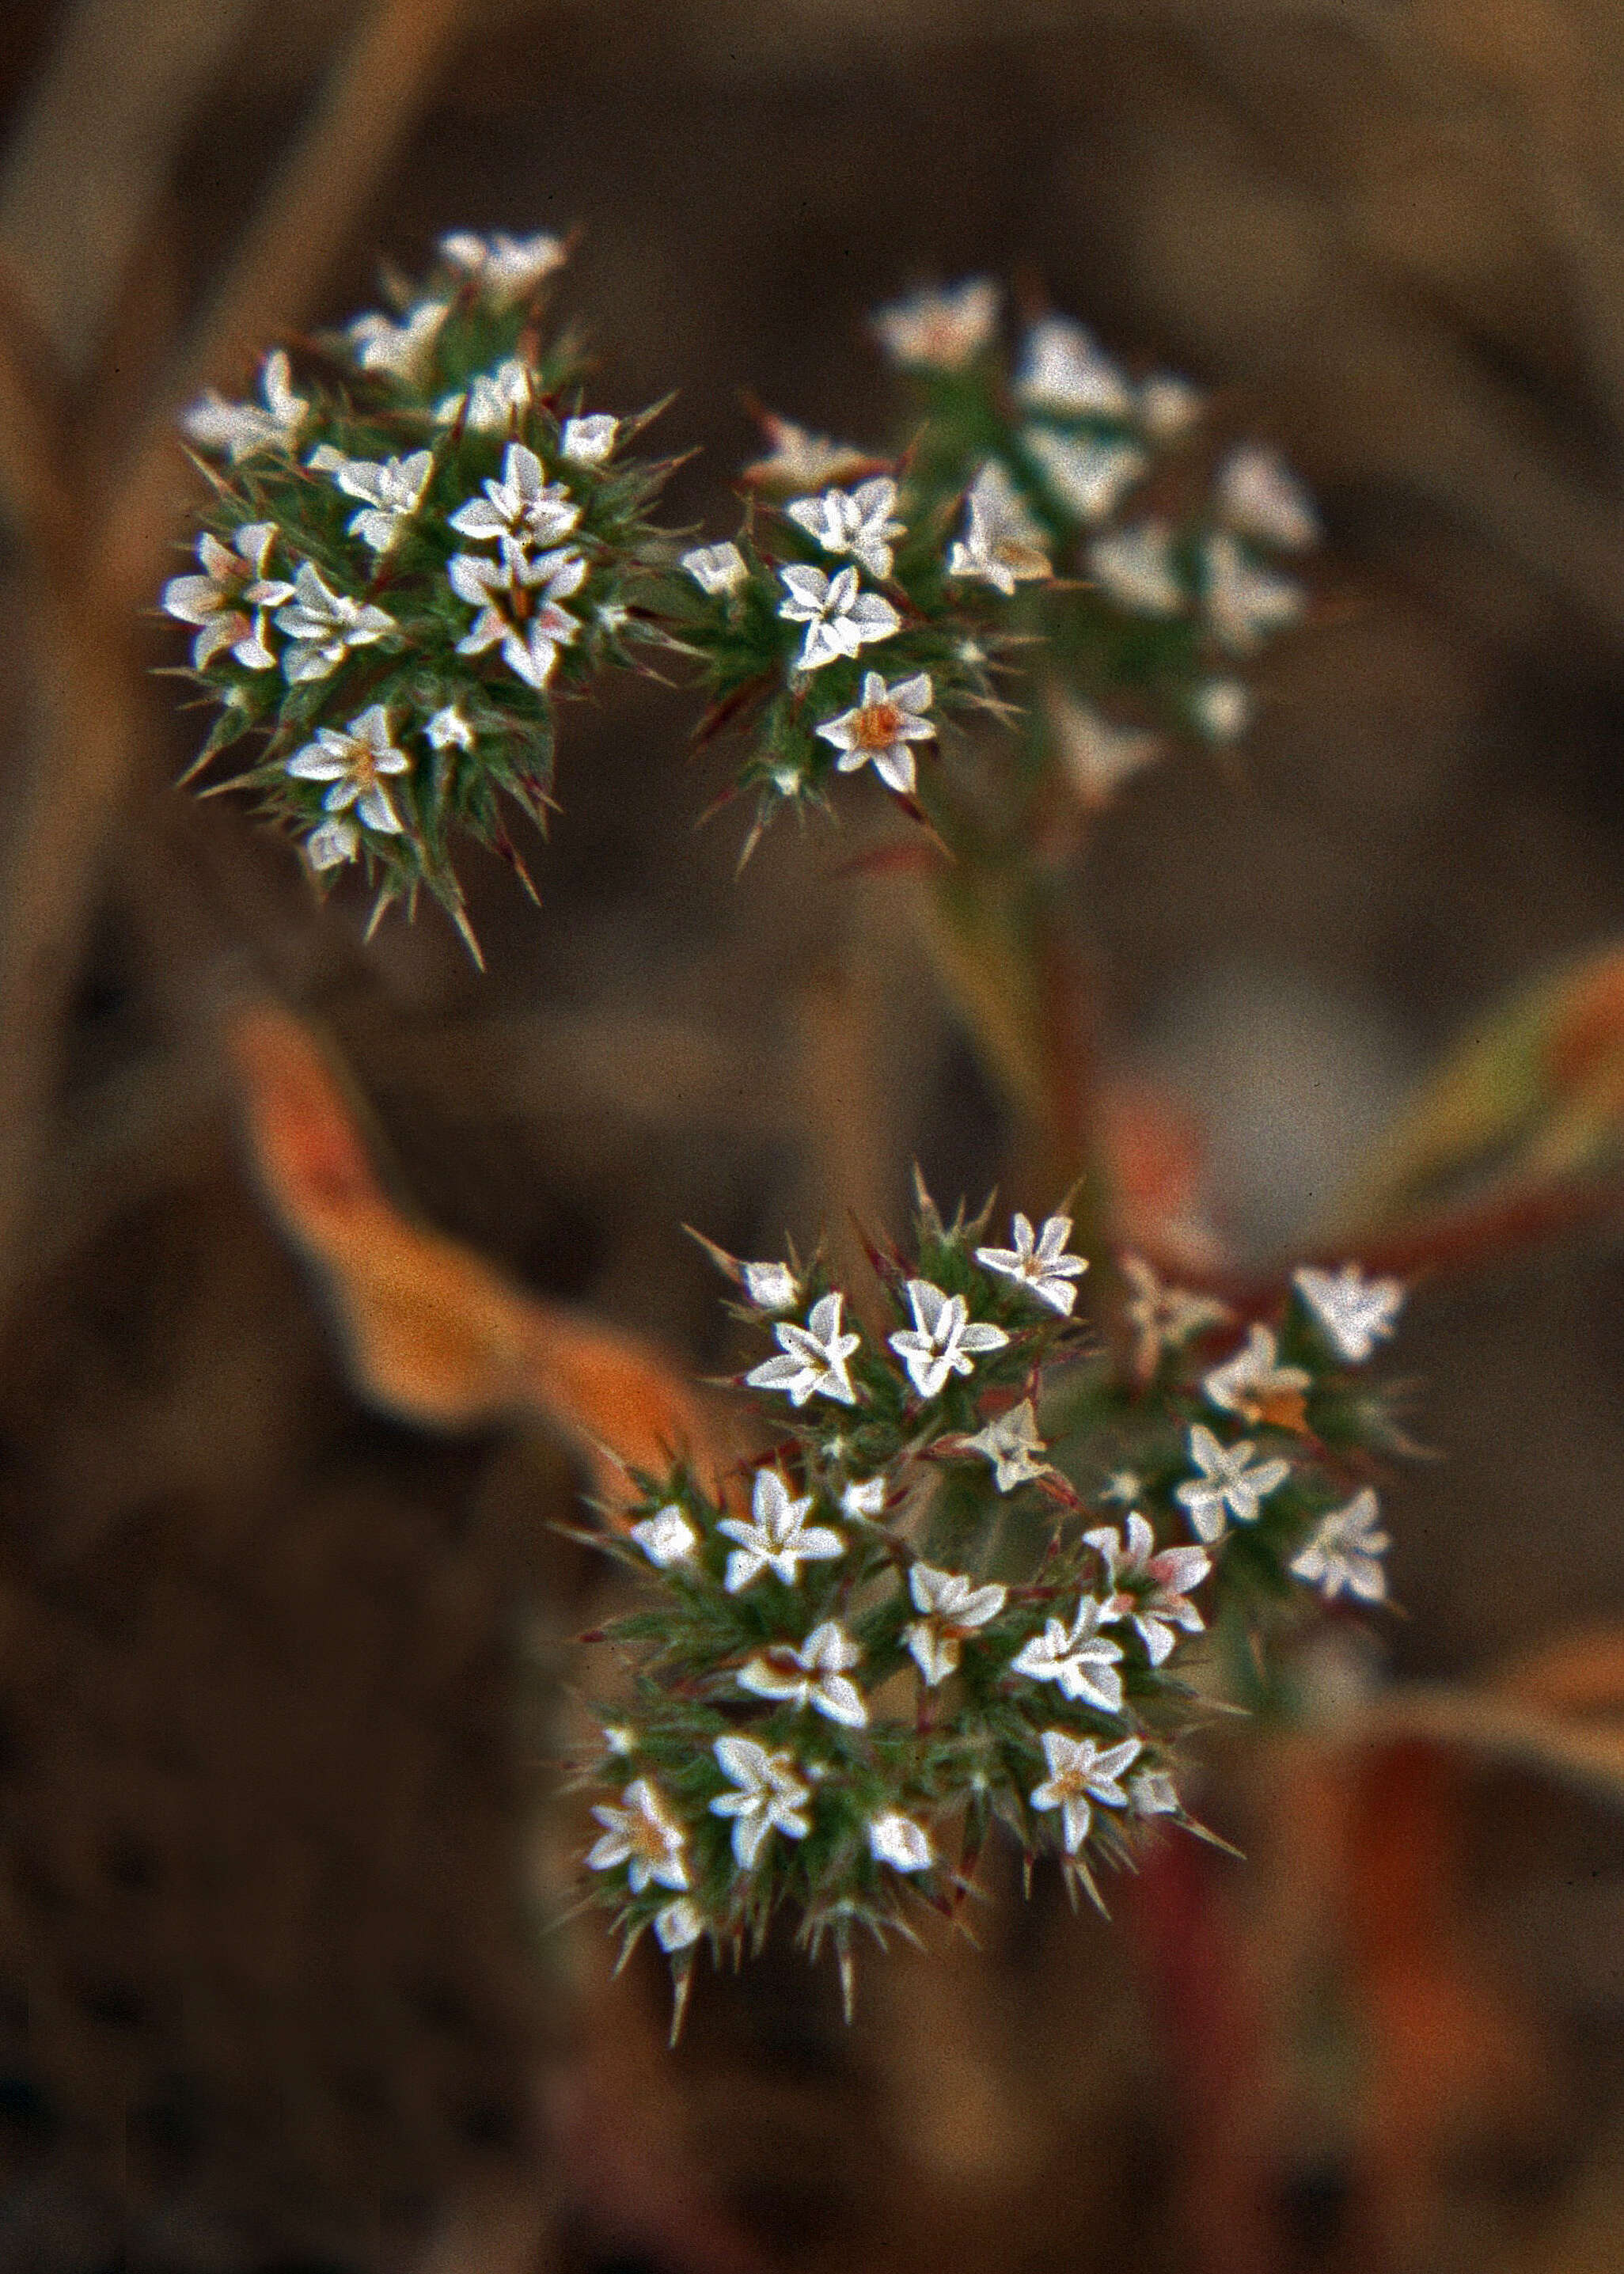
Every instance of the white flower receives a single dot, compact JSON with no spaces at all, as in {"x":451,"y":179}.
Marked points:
{"x":1163,"y":1317}
{"x":943,"y":1339}
{"x":897,"y":1840}
{"x":1136,"y":569}
{"x":1258,"y":494}
{"x":1168,"y":406}
{"x":1244,"y":603}
{"x":330,"y":843}
{"x":814,"y":1358}
{"x":588,"y":442}
{"x":1124,"y":1487}
{"x":239,"y":429}
{"x":779,"y":1540}
{"x":1345,"y":1550}
{"x":1254,"y":1384}
{"x":816,"y":1674}
{"x":1154,"y":1793}
{"x":524,"y":507}
{"x":403,"y":349}
{"x":880,"y":727}
{"x":1221,"y":709}
{"x":1009,"y":1444}
{"x":324,"y":626}
{"x":640,"y":1835}
{"x":1089,"y":476}
{"x":1002,"y":544}
{"x":1097,"y":754}
{"x":864,"y":1498}
{"x":772,"y":1286}
{"x":1079,"y":1771}
{"x":518,"y":604}
{"x":953,"y":1607}
{"x":449,"y":730}
{"x":1040,"y":1266}
{"x":1355,"y":1312}
{"x":858,"y":522}
{"x":678,"y":1924}
{"x":1225,"y":1482}
{"x":1063,"y":369}
{"x":351,"y":761}
{"x":234,"y":578}
{"x":940,"y":330}
{"x":504,"y":268}
{"x":666,"y":1537}
{"x":769,"y":1798}
{"x":839,"y":616}
{"x":1078,"y":1658}
{"x":491,"y":401}
{"x":801,"y":460}
{"x":1151,"y":1589}
{"x":716,"y":568}
{"x":393,"y":491}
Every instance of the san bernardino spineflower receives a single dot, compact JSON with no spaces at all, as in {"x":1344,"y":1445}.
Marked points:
{"x":1038,"y":1262}
{"x":233,"y":581}
{"x":1090,"y":477}
{"x":1082,"y":1773}
{"x":860,"y":522}
{"x":401,"y":351}
{"x":1244,"y":603}
{"x":449,"y":730}
{"x":942,"y":1340}
{"x":590,"y":439}
{"x":1344,"y":1552}
{"x":777,"y":1537}
{"x":521,"y":506}
{"x":1149,"y":1588}
{"x":839,"y":616}
{"x":952,"y":1608}
{"x":801,"y":460}
{"x":324,"y":626}
{"x":941,"y":329}
{"x":241,"y":429}
{"x":1227,"y":1485}
{"x":900,"y":1842}
{"x":816,"y":1359}
{"x":880,"y":728}
{"x":717,"y":569}
{"x":1137,"y":568}
{"x":643,"y":1836}
{"x":770,"y":1797}
{"x":666,"y":1537}
{"x":1002,"y":544}
{"x":771,"y":1286}
{"x":1254,"y":1384}
{"x":1065,"y":370}
{"x":518,"y":601}
{"x":1080,"y":1660}
{"x":1010,"y":1443}
{"x":1353,"y":1313}
{"x":678,"y":1925}
{"x":1259,"y":496}
{"x":504,"y":269}
{"x":391,"y":490}
{"x":491,"y":401}
{"x":351,"y":761}
{"x":817,"y":1672}
{"x":1163,"y":1318}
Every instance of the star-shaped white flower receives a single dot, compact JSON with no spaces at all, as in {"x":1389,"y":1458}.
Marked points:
{"x":816,"y":1674}
{"x":864,"y":1498}
{"x":240,"y":429}
{"x":393,"y":490}
{"x":880,"y":728}
{"x":332,"y":843}
{"x":1345,"y":1551}
{"x":1078,"y":1659}
{"x":491,"y":401}
{"x":666,"y":1537}
{"x":1168,"y":406}
{"x":940,"y":330}
{"x":1163,"y":1318}
{"x":1098,"y":754}
{"x":1244,"y":603}
{"x":815,"y":1359}
{"x":771,"y":1286}
{"x":524,"y":507}
{"x":1080,"y":1773}
{"x":716,"y":568}
{"x":839,"y":616}
{"x":1220,"y":709}
{"x":1227,"y":1483}
{"x":1064,"y":369}
{"x":1039,"y":1264}
{"x":1010,"y":1443}
{"x":1254,"y":1384}
{"x":449,"y":730}
{"x":897,"y":1840}
{"x":403,"y":350}
{"x":1002,"y":544}
{"x":351,"y":761}
{"x":770,"y":1797}
{"x":1089,"y":476}
{"x":324,"y":626}
{"x":778,"y":1539}
{"x":518,"y":603}
{"x":1258,"y":494}
{"x":1151,"y":1589}
{"x":505,"y":268}
{"x":942,"y":1340}
{"x":233,"y":580}
{"x":1353,"y":1313}
{"x":800,"y":460}
{"x":1154,"y":1793}
{"x":953,"y":1607}
{"x":1136,"y":569}
{"x":678,"y":1924}
{"x":640,"y":1834}
{"x":589,"y":440}
{"x":859,"y":522}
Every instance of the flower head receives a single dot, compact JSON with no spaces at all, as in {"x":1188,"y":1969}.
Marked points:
{"x":678,"y":1924}
{"x":814,"y":1674}
{"x":403,"y":350}
{"x":1163,"y":1318}
{"x":393,"y":491}
{"x":1039,"y":1263}
{"x":880,"y":727}
{"x":666,"y":1537}
{"x":332,"y":843}
{"x":1090,"y":477}
{"x":771,"y":1797}
{"x":449,"y":730}
{"x":504,"y":269}
{"x":1168,"y":406}
{"x":1259,"y":495}
{"x":1151,"y":1589}
{"x":240,"y":429}
{"x":778,"y":1539}
{"x":1002,"y":544}
{"x":523,"y":507}
{"x":814,"y":1358}
{"x":864,"y":1498}
{"x":588,"y":442}
{"x":1154,"y":1793}
{"x":492,"y":400}
{"x":953,"y":1607}
{"x":1078,"y":1659}
{"x":942,"y":1340}
{"x":859,"y":522}
{"x":839,"y":616}
{"x":1064,"y":370}
{"x":1097,"y":754}
{"x":897,"y":1840}
{"x":1136,"y":569}
{"x":640,"y":1834}
{"x":940,"y":330}
{"x":716,"y":568}
{"x":1345,"y":1551}
{"x":352,"y":762}
{"x":518,"y":602}
{"x":1255,"y":1385}
{"x":1244,"y":604}
{"x":1081,"y":1771}
{"x":233,"y":580}
{"x":1352,"y":1311}
{"x":324,"y":626}
{"x":1010,"y":1443}
{"x":801,"y":460}
{"x":771,"y":1286}
{"x":1227,"y":1483}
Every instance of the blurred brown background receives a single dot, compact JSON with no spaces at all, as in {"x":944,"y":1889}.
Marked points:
{"x":271,"y":1991}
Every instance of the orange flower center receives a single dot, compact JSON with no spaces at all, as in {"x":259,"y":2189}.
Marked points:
{"x":876,"y":726}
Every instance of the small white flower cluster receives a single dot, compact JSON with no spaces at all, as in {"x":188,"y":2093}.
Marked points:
{"x":517,"y":593}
